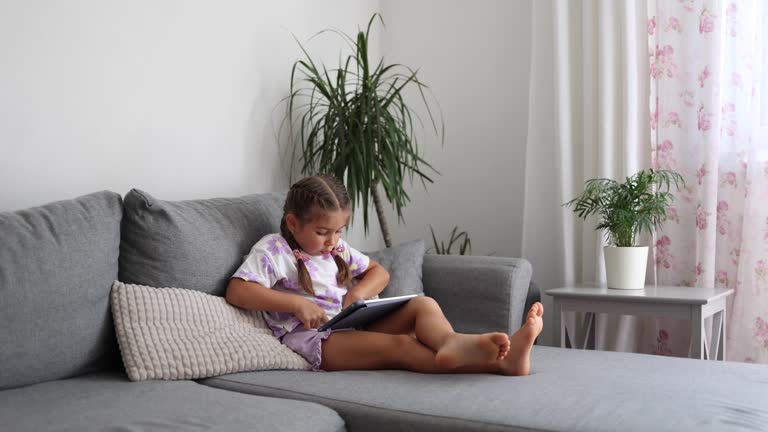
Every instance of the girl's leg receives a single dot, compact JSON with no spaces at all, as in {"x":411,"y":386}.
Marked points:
{"x":423,"y":317}
{"x":369,"y":350}
{"x":365,"y":350}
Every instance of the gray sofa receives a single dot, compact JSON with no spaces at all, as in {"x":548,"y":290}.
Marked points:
{"x":60,"y":367}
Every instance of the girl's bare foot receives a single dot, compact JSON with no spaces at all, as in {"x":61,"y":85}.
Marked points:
{"x":518,"y":361}
{"x":466,"y":349}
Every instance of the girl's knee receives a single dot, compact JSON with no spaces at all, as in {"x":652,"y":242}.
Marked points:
{"x":425,"y":302}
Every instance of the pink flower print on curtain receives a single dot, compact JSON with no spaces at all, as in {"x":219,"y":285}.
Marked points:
{"x":697,"y":272}
{"x":722,"y":218}
{"x":706,"y":21}
{"x":663,"y":157}
{"x":703,"y":76}
{"x":687,"y":97}
{"x":663,"y":256}
{"x":703,"y":123}
{"x":704,"y":119}
{"x":761,"y":333}
{"x":735,"y":255}
{"x":673,"y":24}
{"x":761,"y":273}
{"x":688,"y":5}
{"x":700,"y":173}
{"x":664,"y":63}
{"x":701,"y":218}
{"x":672,"y":215}
{"x":673,"y":119}
{"x":662,"y":347}
{"x":721,"y":279}
{"x":729,"y":179}
{"x":729,"y":118}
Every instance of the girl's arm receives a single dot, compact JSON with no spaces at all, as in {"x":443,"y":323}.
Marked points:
{"x":372,"y":281}
{"x":254,"y":296}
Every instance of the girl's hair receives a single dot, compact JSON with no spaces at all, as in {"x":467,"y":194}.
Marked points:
{"x":306,"y":198}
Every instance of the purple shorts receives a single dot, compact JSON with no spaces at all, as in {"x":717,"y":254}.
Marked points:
{"x":308,"y":343}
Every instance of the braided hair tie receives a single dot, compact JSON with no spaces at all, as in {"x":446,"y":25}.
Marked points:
{"x":300,"y":256}
{"x":335,"y":251}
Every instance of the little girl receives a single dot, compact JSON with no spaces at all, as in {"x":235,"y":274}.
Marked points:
{"x":306,"y":274}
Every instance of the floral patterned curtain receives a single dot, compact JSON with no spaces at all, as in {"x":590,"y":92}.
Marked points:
{"x":706,"y":61}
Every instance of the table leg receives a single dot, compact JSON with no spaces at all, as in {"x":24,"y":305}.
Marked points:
{"x":723,"y":335}
{"x":707,"y":342}
{"x":718,"y":335}
{"x":589,"y":331}
{"x":697,"y":332}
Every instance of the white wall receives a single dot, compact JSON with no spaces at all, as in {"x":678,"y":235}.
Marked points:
{"x":173,"y":97}
{"x":178,"y":98}
{"x":475,"y":57}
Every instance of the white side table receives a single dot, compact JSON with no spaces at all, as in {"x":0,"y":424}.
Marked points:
{"x":694,"y":304}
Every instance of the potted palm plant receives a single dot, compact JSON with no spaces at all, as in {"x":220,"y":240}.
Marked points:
{"x":353,"y":122}
{"x":637,"y":205}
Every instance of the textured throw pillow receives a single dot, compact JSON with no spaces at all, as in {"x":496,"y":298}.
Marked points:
{"x":174,"y":334}
{"x":403,"y":262}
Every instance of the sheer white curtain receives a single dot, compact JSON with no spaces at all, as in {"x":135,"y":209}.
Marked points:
{"x":706,"y":68}
{"x":589,"y":117}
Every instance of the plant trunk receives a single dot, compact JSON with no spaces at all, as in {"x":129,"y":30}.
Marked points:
{"x":380,"y":213}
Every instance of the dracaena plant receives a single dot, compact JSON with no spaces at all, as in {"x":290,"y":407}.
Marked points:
{"x":458,"y":238}
{"x":637,"y":205}
{"x":353,"y":121}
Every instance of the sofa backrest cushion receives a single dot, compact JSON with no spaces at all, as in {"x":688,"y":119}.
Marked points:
{"x":196,"y":244}
{"x":404,"y":264}
{"x":57,"y":265}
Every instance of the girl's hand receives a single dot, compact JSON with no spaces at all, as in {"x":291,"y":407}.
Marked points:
{"x":310,"y":314}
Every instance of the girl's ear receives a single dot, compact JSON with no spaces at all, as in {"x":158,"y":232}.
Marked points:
{"x":292,"y":222}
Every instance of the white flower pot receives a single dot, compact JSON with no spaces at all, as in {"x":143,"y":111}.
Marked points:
{"x":625,"y":266}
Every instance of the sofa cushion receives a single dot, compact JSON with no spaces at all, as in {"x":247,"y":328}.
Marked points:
{"x":194,"y":244}
{"x":173,"y":333}
{"x":403,"y":262}
{"x":103,"y":401}
{"x":568,"y":390}
{"x":57,"y":264}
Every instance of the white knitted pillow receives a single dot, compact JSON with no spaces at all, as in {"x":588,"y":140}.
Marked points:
{"x":174,"y":334}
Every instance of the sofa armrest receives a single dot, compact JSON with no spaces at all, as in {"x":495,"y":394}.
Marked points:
{"x":479,"y":294}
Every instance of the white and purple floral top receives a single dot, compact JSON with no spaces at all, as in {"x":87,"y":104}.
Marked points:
{"x":272,"y":264}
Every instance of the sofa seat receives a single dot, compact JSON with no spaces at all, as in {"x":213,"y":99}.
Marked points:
{"x":568,"y":390}
{"x":108,"y":401}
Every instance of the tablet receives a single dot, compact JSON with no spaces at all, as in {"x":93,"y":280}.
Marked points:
{"x":361,"y":313}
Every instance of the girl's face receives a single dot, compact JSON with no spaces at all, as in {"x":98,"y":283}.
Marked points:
{"x":321,"y":234}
